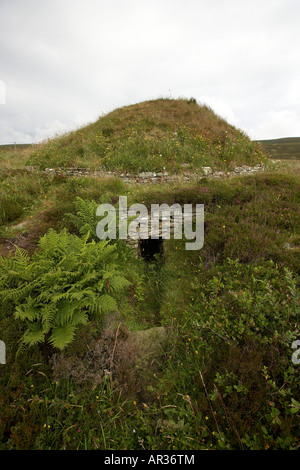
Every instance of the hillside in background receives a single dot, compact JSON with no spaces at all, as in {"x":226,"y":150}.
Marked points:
{"x":149,"y":136}
{"x":286,"y":148}
{"x":11,"y":147}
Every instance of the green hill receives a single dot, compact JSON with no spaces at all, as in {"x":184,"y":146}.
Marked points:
{"x":286,"y":148}
{"x":149,"y":136}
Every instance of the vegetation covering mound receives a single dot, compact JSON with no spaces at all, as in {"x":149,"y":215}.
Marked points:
{"x":150,"y":136}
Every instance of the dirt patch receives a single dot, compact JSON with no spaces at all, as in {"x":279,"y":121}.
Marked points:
{"x":26,"y":241}
{"x":118,"y":355}
{"x":26,"y":234}
{"x":110,"y":357}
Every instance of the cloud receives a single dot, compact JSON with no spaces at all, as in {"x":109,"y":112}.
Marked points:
{"x":221,"y":108}
{"x":278,"y":123}
{"x":2,"y":92}
{"x":65,"y":63}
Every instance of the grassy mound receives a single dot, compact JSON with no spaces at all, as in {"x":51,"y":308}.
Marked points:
{"x":150,"y":136}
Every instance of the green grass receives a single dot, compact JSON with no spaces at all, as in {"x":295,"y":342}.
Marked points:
{"x":227,"y":380}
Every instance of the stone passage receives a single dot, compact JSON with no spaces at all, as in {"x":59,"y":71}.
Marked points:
{"x":148,"y":240}
{"x":151,"y":247}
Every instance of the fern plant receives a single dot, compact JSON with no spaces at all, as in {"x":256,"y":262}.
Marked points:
{"x":84,"y":219}
{"x":67,"y":282}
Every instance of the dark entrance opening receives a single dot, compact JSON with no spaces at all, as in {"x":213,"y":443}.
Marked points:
{"x":151,"y":248}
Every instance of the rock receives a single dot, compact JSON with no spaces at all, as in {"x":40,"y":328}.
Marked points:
{"x":20,"y":225}
{"x":207,"y":170}
{"x":153,"y":177}
{"x":288,"y":246}
{"x":238,"y":169}
{"x":247,"y":168}
{"x":218,"y":174}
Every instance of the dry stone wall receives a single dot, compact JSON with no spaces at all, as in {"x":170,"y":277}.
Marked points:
{"x":156,"y":177}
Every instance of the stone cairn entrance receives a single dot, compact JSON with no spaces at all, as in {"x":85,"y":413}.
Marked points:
{"x":150,"y":242}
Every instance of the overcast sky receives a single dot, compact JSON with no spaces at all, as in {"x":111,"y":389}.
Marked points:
{"x":63,"y":63}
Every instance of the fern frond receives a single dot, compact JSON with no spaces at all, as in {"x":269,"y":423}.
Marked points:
{"x":65,"y":311}
{"x":34,"y":334}
{"x":28,"y":311}
{"x":79,"y":318}
{"x":119,"y":283}
{"x":62,"y":335}
{"x":107,"y":303}
{"x":48,"y":315}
